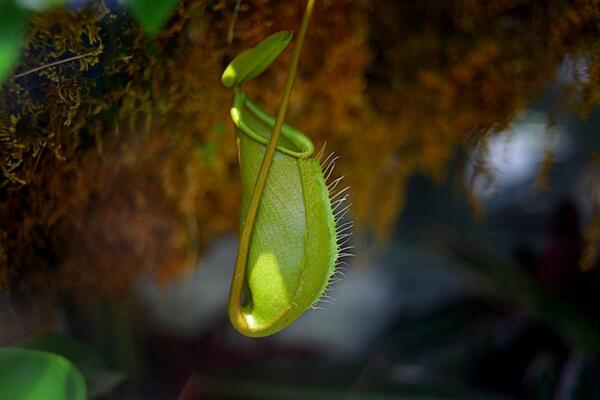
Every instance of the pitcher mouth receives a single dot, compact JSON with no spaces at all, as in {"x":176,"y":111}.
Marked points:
{"x":258,"y":124}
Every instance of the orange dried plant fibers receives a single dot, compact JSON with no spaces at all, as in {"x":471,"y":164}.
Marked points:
{"x":145,"y":174}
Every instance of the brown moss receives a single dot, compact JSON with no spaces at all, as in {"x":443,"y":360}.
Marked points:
{"x":126,"y":164}
{"x":49,"y":123}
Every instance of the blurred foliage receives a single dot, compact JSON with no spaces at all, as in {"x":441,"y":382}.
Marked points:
{"x":510,"y":285}
{"x":12,"y":23}
{"x":152,"y":15}
{"x":553,"y":338}
{"x":36,"y":375}
{"x":100,"y":380}
{"x":112,"y":165}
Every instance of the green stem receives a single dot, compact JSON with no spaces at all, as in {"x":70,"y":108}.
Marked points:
{"x":237,"y":284}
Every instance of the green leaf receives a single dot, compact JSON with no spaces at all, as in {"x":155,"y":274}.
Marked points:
{"x":100,"y":380}
{"x":40,"y":5}
{"x":252,"y":62}
{"x":12,"y":31}
{"x":37,"y":375}
{"x":152,"y":15}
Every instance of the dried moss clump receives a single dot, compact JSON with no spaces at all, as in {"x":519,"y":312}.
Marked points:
{"x":75,"y":67}
{"x":122,"y":162}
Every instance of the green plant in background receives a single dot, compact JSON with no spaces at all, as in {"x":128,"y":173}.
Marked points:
{"x":152,"y":15}
{"x":99,"y":378}
{"x":288,"y":243}
{"x":12,"y":31}
{"x":38,"y":375}
{"x":53,"y":367}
